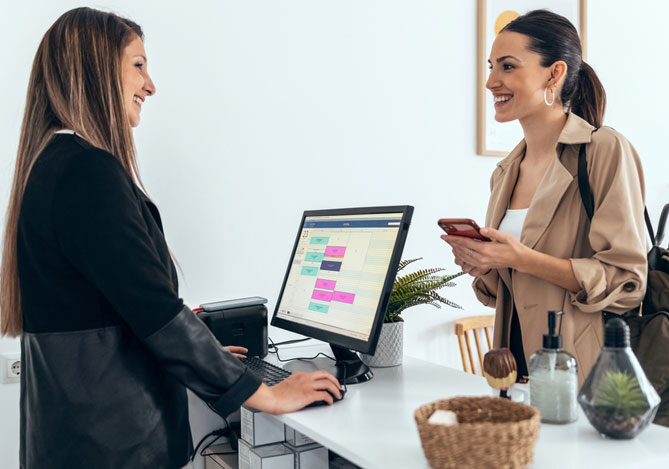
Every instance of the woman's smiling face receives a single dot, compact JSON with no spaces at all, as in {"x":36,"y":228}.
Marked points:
{"x":137,"y":84}
{"x":517,"y":79}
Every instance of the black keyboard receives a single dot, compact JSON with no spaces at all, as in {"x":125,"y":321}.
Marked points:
{"x":268,"y":373}
{"x":272,"y":374}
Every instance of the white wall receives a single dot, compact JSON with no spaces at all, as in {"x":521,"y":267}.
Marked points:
{"x":261,"y":102}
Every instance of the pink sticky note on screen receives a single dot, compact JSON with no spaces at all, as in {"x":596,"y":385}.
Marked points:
{"x":335,"y":251}
{"x":325,"y":284}
{"x":322,"y":295}
{"x":343,"y":297}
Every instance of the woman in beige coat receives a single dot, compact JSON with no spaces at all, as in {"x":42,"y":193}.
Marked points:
{"x":545,"y":254}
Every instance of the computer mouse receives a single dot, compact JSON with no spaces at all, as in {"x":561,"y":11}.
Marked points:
{"x":334,"y":399}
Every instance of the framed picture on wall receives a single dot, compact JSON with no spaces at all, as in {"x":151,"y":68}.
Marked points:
{"x":494,"y":138}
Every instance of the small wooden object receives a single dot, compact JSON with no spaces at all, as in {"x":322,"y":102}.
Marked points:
{"x":500,"y":369}
{"x":473,"y":324}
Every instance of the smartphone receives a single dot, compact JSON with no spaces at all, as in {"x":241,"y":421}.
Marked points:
{"x":462,"y":227}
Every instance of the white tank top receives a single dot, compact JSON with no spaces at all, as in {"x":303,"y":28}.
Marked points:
{"x":513,"y":221}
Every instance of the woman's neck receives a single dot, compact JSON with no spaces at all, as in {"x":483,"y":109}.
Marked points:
{"x":542,"y":133}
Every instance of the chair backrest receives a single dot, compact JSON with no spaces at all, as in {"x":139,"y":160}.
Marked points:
{"x":473,"y":324}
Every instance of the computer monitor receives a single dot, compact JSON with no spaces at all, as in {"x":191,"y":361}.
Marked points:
{"x":339,"y":279}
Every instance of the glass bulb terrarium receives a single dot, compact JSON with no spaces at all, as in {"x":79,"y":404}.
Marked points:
{"x":617,"y":397}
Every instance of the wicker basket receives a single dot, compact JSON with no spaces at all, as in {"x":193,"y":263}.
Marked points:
{"x":492,"y":433}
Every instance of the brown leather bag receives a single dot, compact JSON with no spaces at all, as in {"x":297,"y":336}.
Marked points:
{"x":657,"y":292}
{"x":649,"y":331}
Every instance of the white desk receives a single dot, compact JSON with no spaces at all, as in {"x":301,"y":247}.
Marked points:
{"x":374,"y":425}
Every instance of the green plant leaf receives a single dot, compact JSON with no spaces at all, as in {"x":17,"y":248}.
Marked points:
{"x":619,"y":393}
{"x":418,"y":288}
{"x":406,"y":262}
{"x":414,"y":277}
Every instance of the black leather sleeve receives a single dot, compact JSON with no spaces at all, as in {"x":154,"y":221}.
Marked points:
{"x":101,"y":232}
{"x":190,"y":352}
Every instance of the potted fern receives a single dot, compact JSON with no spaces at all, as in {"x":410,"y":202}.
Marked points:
{"x":409,"y":290}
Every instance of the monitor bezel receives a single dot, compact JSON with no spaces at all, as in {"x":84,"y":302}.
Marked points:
{"x":365,"y":346}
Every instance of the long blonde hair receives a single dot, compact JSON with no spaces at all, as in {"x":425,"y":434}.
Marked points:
{"x":75,"y":83}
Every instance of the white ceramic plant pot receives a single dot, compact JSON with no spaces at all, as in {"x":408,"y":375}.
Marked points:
{"x":389,"y":349}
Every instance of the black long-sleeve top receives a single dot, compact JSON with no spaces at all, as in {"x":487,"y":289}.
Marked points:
{"x":108,"y":345}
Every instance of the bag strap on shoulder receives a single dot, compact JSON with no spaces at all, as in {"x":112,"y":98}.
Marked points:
{"x":584,"y":184}
{"x":589,"y":201}
{"x":660,"y":226}
{"x":649,"y":226}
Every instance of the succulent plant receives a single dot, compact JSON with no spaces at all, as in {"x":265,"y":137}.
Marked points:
{"x":620,"y":394}
{"x":418,"y":288}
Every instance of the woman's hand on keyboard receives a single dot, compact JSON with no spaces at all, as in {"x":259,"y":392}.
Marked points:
{"x":239,"y":352}
{"x":295,"y":392}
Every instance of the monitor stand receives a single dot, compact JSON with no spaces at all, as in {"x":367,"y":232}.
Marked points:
{"x":348,"y":369}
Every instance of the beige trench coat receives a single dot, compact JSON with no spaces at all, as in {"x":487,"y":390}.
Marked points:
{"x":608,"y":255}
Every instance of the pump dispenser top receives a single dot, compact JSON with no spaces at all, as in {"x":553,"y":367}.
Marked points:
{"x":552,"y":340}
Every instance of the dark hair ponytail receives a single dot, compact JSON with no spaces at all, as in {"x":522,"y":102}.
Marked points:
{"x":589,"y":97}
{"x":554,"y":38}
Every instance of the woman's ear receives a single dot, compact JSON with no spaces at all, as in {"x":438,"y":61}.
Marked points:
{"x":558,"y":73}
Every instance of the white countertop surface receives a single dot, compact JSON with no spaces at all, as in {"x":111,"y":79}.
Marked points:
{"x":374,"y":425}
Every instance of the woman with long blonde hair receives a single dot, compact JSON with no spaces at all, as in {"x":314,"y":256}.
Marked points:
{"x":108,"y":347}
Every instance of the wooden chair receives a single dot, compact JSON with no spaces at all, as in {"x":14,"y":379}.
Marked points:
{"x":474,"y":323}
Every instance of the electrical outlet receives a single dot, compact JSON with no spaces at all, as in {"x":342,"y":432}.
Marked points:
{"x":11,"y":367}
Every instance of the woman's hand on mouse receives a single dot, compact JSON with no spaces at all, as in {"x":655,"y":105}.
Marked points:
{"x":295,"y":392}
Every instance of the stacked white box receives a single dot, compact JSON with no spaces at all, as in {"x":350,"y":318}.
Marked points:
{"x":274,"y":456}
{"x":311,"y":456}
{"x":243,"y":454}
{"x":259,"y":428}
{"x":295,"y":438}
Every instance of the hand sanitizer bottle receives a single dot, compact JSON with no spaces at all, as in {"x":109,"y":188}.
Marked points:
{"x":554,"y":378}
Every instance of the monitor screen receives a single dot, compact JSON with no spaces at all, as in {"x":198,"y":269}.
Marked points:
{"x":340,"y":274}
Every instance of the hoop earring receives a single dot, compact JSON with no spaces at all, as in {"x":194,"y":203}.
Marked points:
{"x":552,"y":96}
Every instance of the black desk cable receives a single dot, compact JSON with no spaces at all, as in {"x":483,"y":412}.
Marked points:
{"x":274,"y":348}
{"x":225,"y":431}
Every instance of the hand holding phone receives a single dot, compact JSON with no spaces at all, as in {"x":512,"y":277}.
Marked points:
{"x":462,"y":227}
